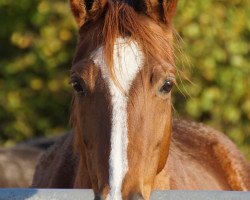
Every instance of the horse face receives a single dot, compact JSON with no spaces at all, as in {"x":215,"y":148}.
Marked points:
{"x":122,"y":113}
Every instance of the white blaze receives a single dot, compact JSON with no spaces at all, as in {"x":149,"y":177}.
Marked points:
{"x":128,"y":60}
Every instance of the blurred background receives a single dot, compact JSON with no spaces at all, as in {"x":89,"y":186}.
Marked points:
{"x":37,"y":41}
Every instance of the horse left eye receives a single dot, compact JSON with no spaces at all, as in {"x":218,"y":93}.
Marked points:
{"x":167,"y":87}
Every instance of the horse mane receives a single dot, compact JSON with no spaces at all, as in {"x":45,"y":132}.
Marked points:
{"x":119,"y":19}
{"x":192,"y":137}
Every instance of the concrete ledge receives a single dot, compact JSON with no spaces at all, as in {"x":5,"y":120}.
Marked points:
{"x":77,"y":194}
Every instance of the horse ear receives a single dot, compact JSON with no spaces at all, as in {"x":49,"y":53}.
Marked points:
{"x":169,"y":7}
{"x":83,"y":10}
{"x":162,"y":10}
{"x":79,"y":11}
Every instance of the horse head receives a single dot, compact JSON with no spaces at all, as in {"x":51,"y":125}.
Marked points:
{"x":122,"y":74}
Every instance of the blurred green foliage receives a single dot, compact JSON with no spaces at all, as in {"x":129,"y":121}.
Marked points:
{"x":37,"y":41}
{"x":216,"y":38}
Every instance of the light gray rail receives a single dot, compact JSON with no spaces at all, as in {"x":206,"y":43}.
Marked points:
{"x":77,"y":194}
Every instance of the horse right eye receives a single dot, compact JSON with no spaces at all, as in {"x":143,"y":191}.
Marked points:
{"x":78,"y":87}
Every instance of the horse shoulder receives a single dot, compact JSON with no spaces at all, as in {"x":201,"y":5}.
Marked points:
{"x":57,"y":166}
{"x":203,"y":158}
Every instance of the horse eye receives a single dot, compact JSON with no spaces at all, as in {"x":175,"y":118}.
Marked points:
{"x":78,"y":87}
{"x":167,"y":87}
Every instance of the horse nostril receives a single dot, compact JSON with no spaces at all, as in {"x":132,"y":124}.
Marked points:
{"x":97,"y":197}
{"x":136,"y":196}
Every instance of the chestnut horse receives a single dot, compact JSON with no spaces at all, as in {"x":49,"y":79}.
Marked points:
{"x":125,"y":143}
